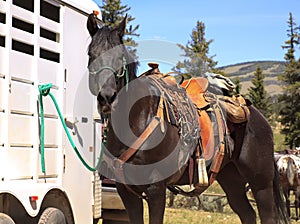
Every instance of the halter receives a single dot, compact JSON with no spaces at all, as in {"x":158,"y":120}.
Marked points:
{"x":117,"y":76}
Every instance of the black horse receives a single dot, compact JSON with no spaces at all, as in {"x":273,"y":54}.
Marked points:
{"x":146,"y":153}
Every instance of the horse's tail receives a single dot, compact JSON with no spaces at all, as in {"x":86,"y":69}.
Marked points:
{"x":290,"y":171}
{"x":279,"y":201}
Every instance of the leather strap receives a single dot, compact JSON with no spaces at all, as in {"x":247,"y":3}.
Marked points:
{"x":217,"y":162}
{"x":156,"y":120}
{"x":138,"y":143}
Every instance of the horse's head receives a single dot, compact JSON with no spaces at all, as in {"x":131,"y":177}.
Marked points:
{"x":107,"y":63}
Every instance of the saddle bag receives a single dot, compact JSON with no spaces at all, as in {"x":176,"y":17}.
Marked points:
{"x":235,"y":107}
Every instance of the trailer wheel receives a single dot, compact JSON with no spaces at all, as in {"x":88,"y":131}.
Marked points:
{"x":5,"y":219}
{"x":52,"y":216}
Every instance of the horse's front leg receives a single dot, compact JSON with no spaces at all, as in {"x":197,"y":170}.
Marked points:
{"x":287,"y":201}
{"x":133,"y":204}
{"x":297,"y":206}
{"x":156,"y":198}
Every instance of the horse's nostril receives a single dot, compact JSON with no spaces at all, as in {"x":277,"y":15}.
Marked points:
{"x":106,"y":99}
{"x":101,"y":100}
{"x":112,"y":98}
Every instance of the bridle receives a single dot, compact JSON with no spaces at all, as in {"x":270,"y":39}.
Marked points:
{"x":118,"y":76}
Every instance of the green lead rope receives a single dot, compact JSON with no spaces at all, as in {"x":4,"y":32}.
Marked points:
{"x":44,"y":91}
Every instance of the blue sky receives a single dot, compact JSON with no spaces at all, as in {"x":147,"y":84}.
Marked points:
{"x":241,"y":30}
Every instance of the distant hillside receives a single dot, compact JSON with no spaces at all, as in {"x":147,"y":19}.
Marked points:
{"x":245,"y":71}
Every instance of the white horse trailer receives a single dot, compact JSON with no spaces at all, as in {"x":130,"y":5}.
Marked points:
{"x":45,"y":41}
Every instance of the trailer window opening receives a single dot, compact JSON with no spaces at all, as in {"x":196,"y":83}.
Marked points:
{"x":28,"y":4}
{"x":2,"y":41}
{"x":49,"y":55}
{"x":22,"y":47}
{"x":2,"y":18}
{"x":22,"y":25}
{"x":50,"y":11}
{"x":50,"y":35}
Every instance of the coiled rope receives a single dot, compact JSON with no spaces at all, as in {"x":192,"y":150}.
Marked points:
{"x":44,"y":91}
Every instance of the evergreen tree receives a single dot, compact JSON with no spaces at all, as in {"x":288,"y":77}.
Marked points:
{"x":238,"y":86}
{"x":293,"y":41}
{"x":290,"y":99}
{"x":258,"y":94}
{"x":197,"y":61}
{"x":113,"y":12}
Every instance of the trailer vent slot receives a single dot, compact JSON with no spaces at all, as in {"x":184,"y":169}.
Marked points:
{"x":2,"y":18}
{"x":21,"y":80}
{"x":50,"y":11}
{"x":19,"y":112}
{"x":23,"y":178}
{"x":49,"y":55}
{"x":48,"y":176}
{"x":51,"y":116}
{"x":51,"y":146}
{"x":22,"y":25}
{"x":22,"y":47}
{"x":2,"y":41}
{"x":49,"y":35}
{"x":28,"y":4}
{"x":21,"y":145}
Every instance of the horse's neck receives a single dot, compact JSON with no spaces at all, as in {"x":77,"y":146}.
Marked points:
{"x":136,"y":106}
{"x":130,"y":118}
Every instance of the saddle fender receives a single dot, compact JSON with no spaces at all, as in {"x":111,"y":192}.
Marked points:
{"x":207,"y":135}
{"x":195,"y":88}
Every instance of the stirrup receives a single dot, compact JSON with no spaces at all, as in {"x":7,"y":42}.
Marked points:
{"x":202,"y":173}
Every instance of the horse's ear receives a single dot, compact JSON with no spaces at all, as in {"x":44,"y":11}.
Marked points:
{"x":121,"y":28}
{"x":92,"y":25}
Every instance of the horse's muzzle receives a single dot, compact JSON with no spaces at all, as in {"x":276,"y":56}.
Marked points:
{"x":105,"y":101}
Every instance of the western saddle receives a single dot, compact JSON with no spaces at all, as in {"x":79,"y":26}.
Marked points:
{"x":214,"y":111}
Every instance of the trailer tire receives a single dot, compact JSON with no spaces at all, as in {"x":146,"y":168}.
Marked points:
{"x":52,"y":216}
{"x":5,"y":219}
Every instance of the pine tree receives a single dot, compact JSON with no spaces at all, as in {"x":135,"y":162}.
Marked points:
{"x":113,"y":12}
{"x":258,"y":94}
{"x":290,"y":99}
{"x":238,"y":86}
{"x":196,"y":51}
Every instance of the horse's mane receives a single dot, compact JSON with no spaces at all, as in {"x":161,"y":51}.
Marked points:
{"x":132,"y":63}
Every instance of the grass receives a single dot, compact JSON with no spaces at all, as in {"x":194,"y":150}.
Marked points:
{"x":191,"y":216}
{"x":188,"y":216}
{"x":185,"y":216}
{"x":278,"y":140}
